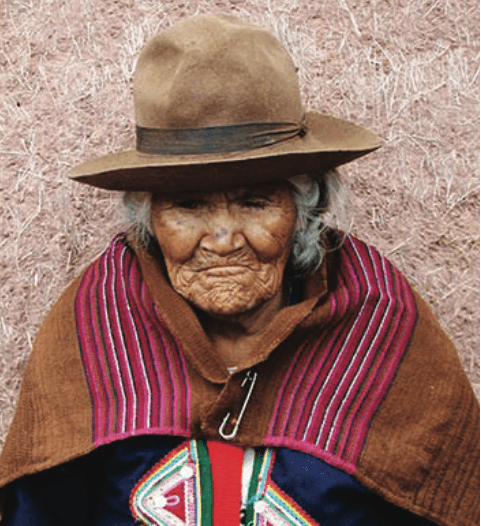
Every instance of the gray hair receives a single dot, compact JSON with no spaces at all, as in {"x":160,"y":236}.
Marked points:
{"x":320,"y":206}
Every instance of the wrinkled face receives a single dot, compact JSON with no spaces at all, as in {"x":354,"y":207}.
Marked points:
{"x":226,"y":251}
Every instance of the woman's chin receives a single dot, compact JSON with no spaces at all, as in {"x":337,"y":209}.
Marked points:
{"x":227,"y":304}
{"x":227,"y":308}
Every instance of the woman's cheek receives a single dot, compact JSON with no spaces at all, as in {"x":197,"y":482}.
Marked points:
{"x":268,"y":244}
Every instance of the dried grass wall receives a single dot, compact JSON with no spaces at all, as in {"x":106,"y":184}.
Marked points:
{"x":406,"y":68}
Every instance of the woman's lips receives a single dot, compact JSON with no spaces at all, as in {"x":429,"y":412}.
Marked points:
{"x":225,"y":270}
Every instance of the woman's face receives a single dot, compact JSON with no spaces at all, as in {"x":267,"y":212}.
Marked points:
{"x":226,"y":251}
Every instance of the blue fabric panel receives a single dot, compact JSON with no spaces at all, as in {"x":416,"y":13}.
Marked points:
{"x":123,"y":466}
{"x":332,"y":497}
{"x":93,"y":490}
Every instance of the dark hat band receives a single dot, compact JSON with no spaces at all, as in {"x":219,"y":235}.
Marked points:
{"x":215,"y":139}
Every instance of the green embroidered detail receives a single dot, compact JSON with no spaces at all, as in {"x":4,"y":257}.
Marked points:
{"x":206,"y":490}
{"x":252,"y":496}
{"x":177,"y":491}
{"x":268,"y":505}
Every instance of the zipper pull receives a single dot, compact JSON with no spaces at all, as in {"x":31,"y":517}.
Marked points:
{"x":250,"y":379}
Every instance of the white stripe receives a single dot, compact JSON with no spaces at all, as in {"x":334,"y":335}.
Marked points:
{"x":365,"y":357}
{"x":124,"y":348}
{"x":334,"y":366}
{"x":247,"y":469}
{"x":134,"y":329}
{"x":112,"y":352}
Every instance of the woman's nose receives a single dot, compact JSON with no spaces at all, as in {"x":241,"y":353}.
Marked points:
{"x":223,"y":235}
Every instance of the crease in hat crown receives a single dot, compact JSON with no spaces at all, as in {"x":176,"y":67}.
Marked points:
{"x":210,"y":72}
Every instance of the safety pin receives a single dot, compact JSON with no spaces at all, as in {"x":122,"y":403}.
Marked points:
{"x":252,"y":377}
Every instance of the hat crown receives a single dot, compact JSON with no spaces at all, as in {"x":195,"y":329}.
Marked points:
{"x":215,"y":70}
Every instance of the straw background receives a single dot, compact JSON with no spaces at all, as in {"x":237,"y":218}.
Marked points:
{"x":406,"y":68}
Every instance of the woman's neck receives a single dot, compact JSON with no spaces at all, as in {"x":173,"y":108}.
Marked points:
{"x":235,"y":337}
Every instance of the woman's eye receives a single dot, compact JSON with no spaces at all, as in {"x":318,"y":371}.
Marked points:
{"x":257,"y":204}
{"x":189,"y":204}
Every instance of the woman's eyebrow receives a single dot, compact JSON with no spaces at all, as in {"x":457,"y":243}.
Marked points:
{"x":243,"y":193}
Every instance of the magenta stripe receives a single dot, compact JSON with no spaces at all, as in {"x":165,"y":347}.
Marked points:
{"x":141,"y":417}
{"x":314,"y":374}
{"x":360,"y":336}
{"x":90,"y":352}
{"x":100,"y":356}
{"x":334,"y":388}
{"x":135,"y":370}
{"x":364,"y":371}
{"x":149,"y":387}
{"x":149,"y":337}
{"x":395,"y":347}
{"x":302,"y":393}
{"x":379,"y":363}
{"x":345,"y":361}
{"x":117,"y":315}
{"x":358,"y":369}
{"x":315,"y":377}
{"x":404,"y":334}
{"x":112,"y":341}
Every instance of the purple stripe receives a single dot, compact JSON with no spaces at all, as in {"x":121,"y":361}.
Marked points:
{"x":135,"y":370}
{"x":364,"y":375}
{"x":372,"y":318}
{"x":90,"y":351}
{"x":111,"y":341}
{"x":357,"y":371}
{"x":380,"y":362}
{"x":348,"y":356}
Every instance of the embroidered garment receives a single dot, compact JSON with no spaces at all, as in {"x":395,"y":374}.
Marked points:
{"x":358,"y":376}
{"x":97,"y":489}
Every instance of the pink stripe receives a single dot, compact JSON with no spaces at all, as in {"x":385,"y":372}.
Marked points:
{"x":363,"y":373}
{"x":152,"y":343}
{"x":346,"y":360}
{"x":116,"y":308}
{"x":89,"y":354}
{"x":377,"y":362}
{"x":112,"y":342}
{"x":141,"y":366}
{"x":405,"y":332}
{"x":314,"y":374}
{"x":279,"y":425}
{"x":395,"y":347}
{"x":107,"y":411}
{"x":372,"y":318}
{"x":149,"y":388}
{"x":358,"y":369}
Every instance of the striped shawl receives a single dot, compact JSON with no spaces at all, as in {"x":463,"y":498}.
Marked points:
{"x":358,"y":374}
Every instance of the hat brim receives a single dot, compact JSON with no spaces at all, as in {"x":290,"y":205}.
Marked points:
{"x":328,"y":142}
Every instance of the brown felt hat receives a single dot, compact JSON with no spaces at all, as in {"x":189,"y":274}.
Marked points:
{"x":217,"y":103}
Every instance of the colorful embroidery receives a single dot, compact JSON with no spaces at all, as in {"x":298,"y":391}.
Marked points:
{"x":337,"y":382}
{"x":134,"y":368}
{"x":269,"y":505}
{"x":170,"y":493}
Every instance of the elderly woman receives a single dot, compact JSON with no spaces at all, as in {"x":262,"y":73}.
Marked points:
{"x":230,"y":360}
